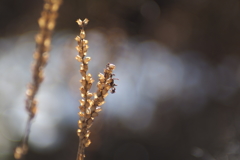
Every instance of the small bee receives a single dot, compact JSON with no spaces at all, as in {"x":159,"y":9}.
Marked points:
{"x":112,"y":84}
{"x":113,"y":90}
{"x":111,"y":67}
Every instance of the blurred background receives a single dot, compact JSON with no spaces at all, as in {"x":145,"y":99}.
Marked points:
{"x":178,"y":96}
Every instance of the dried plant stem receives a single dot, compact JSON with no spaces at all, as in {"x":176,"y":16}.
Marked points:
{"x":89,"y":108}
{"x":43,"y":40}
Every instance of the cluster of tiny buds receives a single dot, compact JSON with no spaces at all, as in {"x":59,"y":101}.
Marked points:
{"x":89,"y":108}
{"x":43,"y":40}
{"x":47,"y":23}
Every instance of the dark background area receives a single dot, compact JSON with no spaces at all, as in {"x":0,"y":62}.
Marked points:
{"x":210,"y":28}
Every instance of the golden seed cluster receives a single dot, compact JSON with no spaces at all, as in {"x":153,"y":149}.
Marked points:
{"x":43,"y":40}
{"x":90,"y":107}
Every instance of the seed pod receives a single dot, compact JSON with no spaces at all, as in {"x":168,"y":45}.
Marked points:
{"x":98,"y":109}
{"x":77,"y":39}
{"x":89,"y":95}
{"x":87,"y":143}
{"x":83,"y":82}
{"x":94,"y":114}
{"x":79,"y":22}
{"x":78,"y":132}
{"x":89,"y":121}
{"x":85,"y":21}
{"x":87,"y":134}
{"x":78,"y":58}
{"x":82,"y":34}
{"x":81,"y":114}
{"x":86,"y":60}
{"x":85,"y":42}
{"x":83,"y":90}
{"x":111,"y":66}
{"x":89,"y":85}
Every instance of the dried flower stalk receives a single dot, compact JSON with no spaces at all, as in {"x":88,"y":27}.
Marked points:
{"x":89,"y":108}
{"x":43,"y":40}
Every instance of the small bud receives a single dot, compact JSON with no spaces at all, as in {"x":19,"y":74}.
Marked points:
{"x":88,"y":116}
{"x":82,"y":95}
{"x":100,"y":85}
{"x":91,"y":80}
{"x":85,"y":66}
{"x":87,"y":59}
{"x":89,"y":85}
{"x":111,"y":66}
{"x":51,"y":25}
{"x":101,"y":103}
{"x":42,"y":22}
{"x":79,"y":22}
{"x":85,"y":48}
{"x":47,"y":42}
{"x":83,"y":82}
{"x":81,"y":114}
{"x":82,"y":102}
{"x":104,"y":91}
{"x":100,"y":75}
{"x":87,"y":104}
{"x":87,"y":134}
{"x":85,"y":42}
{"x":105,"y":95}
{"x":39,"y":38}
{"x":55,"y":7}
{"x":83,"y":91}
{"x":90,"y":102}
{"x":78,"y":58}
{"x":98,"y":109}
{"x":82,"y":34}
{"x":88,"y":142}
{"x":90,"y":121}
{"x":107,"y":86}
{"x":83,"y":72}
{"x":29,"y":92}
{"x":18,"y":153}
{"x":78,"y":132}
{"x":88,"y":77}
{"x":81,"y":124}
{"x":88,"y":111}
{"x":100,"y":99}
{"x":81,"y":108}
{"x":77,"y":38}
{"x":94,"y":114}
{"x":45,"y":56}
{"x":85,"y":21}
{"x":81,"y":135}
{"x":79,"y":49}
{"x":98,"y":93}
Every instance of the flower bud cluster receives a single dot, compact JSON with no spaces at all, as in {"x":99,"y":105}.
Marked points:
{"x":85,"y":120}
{"x":89,"y":107}
{"x":43,"y":40}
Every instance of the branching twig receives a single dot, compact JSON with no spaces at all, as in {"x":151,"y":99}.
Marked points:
{"x":89,"y":108}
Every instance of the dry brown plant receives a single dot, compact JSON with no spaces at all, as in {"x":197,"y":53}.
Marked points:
{"x":43,"y":41}
{"x":90,"y":107}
